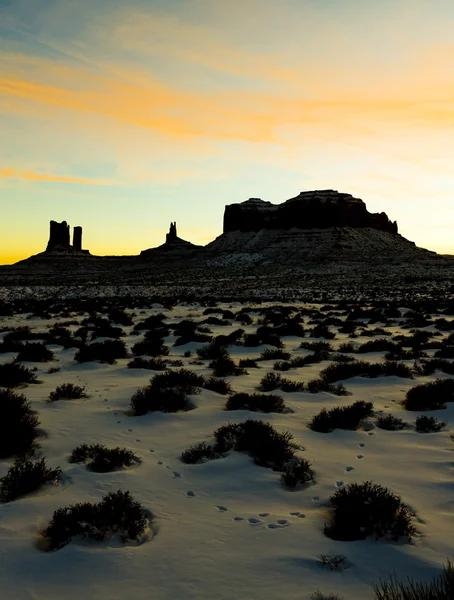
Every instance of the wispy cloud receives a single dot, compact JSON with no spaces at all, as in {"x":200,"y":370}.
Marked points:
{"x":11,"y":173}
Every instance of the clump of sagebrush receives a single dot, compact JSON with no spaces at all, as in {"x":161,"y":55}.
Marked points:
{"x":390,"y":423}
{"x":317,"y":346}
{"x":319,"y":596}
{"x":190,"y":331}
{"x":107,"y":351}
{"x":107,"y":330}
{"x":118,"y":315}
{"x":150,"y":348}
{"x":362,"y":368}
{"x":320,"y":385}
{"x":295,"y":471}
{"x":440,"y":588}
{"x":430,"y":396}
{"x":378,"y":345}
{"x":101,"y":459}
{"x":428,"y":367}
{"x":67,"y":391}
{"x":274,"y":354}
{"x":220,"y":386}
{"x":360,"y":510}
{"x":260,"y":440}
{"x":224,"y":366}
{"x":25,"y":477}
{"x":34,"y":352}
{"x":117,"y":512}
{"x":273,"y":381}
{"x":212,"y":351}
{"x":13,"y":375}
{"x":429,"y":424}
{"x":151,"y":322}
{"x":265,"y":403}
{"x":342,"y":417}
{"x":322,"y":331}
{"x":168,"y":392}
{"x":263,"y":335}
{"x":347,"y":347}
{"x":154,"y":364}
{"x":18,"y":425}
{"x":298,"y":361}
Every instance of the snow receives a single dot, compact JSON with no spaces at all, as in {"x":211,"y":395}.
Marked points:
{"x":204,"y":547}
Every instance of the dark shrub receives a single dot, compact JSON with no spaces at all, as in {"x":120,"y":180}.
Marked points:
{"x":363,"y":509}
{"x":12,"y":375}
{"x":322,"y":331}
{"x":187,"y":354}
{"x":118,"y":315}
{"x":430,"y":396}
{"x":151,"y":322}
{"x":53,"y":370}
{"x":390,"y":423}
{"x":107,"y":351}
{"x":357,"y":368}
{"x":190,"y":331}
{"x":317,"y":346}
{"x":224,"y":366}
{"x":246,"y":363}
{"x":34,"y":353}
{"x":107,"y":330}
{"x":342,"y":417}
{"x":117,"y":512}
{"x":199,"y":452}
{"x":150,"y":348}
{"x":296,"y":470}
{"x":348,"y":348}
{"x":102,"y":459}
{"x":379,"y":345}
{"x":258,"y":439}
{"x":265,"y":403}
{"x":156,"y":334}
{"x":220,"y":386}
{"x":164,"y":400}
{"x":216,"y":321}
{"x":274,"y":354}
{"x":154,"y":364}
{"x":440,"y":588}
{"x":25,"y":477}
{"x":428,"y":367}
{"x":67,"y":391}
{"x":17,"y":425}
{"x":212,"y":351}
{"x":266,"y":336}
{"x":445,"y":352}
{"x":320,"y":385}
{"x":273,"y":381}
{"x":429,"y":424}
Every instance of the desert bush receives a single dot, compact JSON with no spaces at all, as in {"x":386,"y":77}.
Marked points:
{"x":296,"y":470}
{"x":273,"y":381}
{"x":34,"y":352}
{"x":360,"y":510}
{"x":220,"y":386}
{"x":390,"y":423}
{"x":445,"y":352}
{"x":264,"y":335}
{"x":265,"y":403}
{"x":25,"y":477}
{"x":118,"y":315}
{"x":107,"y":330}
{"x":317,"y":346}
{"x":154,"y":364}
{"x":190,"y":331}
{"x":151,"y":322}
{"x":67,"y":391}
{"x":339,"y":371}
{"x":298,"y":361}
{"x":53,"y":370}
{"x":347,"y":347}
{"x":102,"y":459}
{"x":13,"y":375}
{"x":246,"y":363}
{"x":342,"y":417}
{"x":274,"y":354}
{"x":334,"y":562}
{"x":440,"y":588}
{"x":322,"y":331}
{"x":320,"y":385}
{"x":216,"y":321}
{"x":107,"y":351}
{"x":117,"y":512}
{"x":17,"y":426}
{"x":378,"y":345}
{"x":150,"y":348}
{"x":199,"y":453}
{"x":224,"y":366}
{"x":428,"y":367}
{"x":426,"y":424}
{"x":212,"y":351}
{"x":430,"y":396}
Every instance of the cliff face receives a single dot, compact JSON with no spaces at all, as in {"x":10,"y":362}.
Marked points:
{"x":309,"y":210}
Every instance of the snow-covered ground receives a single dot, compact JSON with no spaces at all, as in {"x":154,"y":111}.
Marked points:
{"x":225,"y":529}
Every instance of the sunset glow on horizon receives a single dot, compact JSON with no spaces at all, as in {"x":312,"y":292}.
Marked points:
{"x":121,"y":117}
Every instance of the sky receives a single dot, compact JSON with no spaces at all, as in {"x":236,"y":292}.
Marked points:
{"x":123,"y":116}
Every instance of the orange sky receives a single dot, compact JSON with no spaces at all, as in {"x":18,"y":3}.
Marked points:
{"x":123,"y":118}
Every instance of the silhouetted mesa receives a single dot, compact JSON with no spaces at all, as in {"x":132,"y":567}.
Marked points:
{"x":59,"y":238}
{"x":319,"y":209}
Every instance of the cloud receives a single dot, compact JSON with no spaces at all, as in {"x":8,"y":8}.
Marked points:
{"x":10,"y":173}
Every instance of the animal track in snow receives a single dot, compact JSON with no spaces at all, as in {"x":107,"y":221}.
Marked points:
{"x":361,"y":445}
{"x":160,"y":462}
{"x":359,"y":456}
{"x":190,"y":494}
{"x":339,"y":484}
{"x":254,"y":521}
{"x":176,"y":474}
{"x":263,"y":515}
{"x":151,"y":450}
{"x":315,"y":498}
{"x":221,"y":508}
{"x":238,"y":518}
{"x":298,"y":514}
{"x":348,"y":469}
